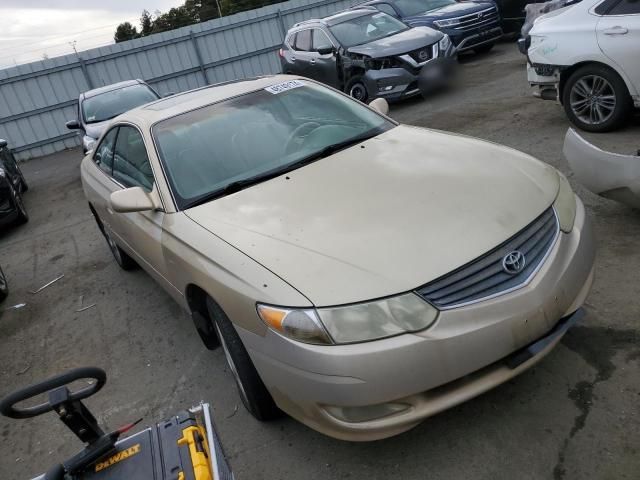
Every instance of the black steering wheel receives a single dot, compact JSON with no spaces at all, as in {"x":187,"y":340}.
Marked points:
{"x":7,"y":404}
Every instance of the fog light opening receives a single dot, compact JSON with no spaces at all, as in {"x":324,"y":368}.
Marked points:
{"x":366,"y":413}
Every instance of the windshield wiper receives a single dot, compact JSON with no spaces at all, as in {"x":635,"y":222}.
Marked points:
{"x":238,"y":185}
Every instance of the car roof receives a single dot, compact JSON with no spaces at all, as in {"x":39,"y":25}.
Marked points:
{"x":336,"y":18}
{"x":109,"y":88}
{"x":150,"y":113}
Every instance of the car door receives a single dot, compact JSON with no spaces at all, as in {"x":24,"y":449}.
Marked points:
{"x":140,"y":233}
{"x":305,"y":58}
{"x":619,"y":38}
{"x":98,"y":182}
{"x":323,"y":60}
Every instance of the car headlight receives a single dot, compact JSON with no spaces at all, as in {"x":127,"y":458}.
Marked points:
{"x":444,"y":43}
{"x":446,"y":23}
{"x":351,"y":323}
{"x":565,"y":204}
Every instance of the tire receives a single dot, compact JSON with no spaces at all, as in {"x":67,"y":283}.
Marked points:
{"x":122,"y":258}
{"x":596,"y":99}
{"x":4,"y":287}
{"x":23,"y":183}
{"x":22,"y":215}
{"x":486,"y":48}
{"x":255,"y":396}
{"x":357,"y":89}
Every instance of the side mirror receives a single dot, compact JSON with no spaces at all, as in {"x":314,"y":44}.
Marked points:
{"x":380,"y":105}
{"x":73,"y":125}
{"x":3,"y":143}
{"x":133,"y":199}
{"x":325,"y":50}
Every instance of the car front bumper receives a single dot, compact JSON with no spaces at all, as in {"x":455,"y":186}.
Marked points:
{"x":468,"y":351}
{"x":399,"y":83}
{"x":475,"y":38}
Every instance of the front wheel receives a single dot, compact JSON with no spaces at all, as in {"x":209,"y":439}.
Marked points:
{"x":22,"y":215}
{"x":23,"y":183}
{"x":122,"y":258}
{"x":596,"y":99}
{"x":4,"y":286}
{"x":487,"y":47}
{"x":255,"y":396}
{"x":357,"y":89}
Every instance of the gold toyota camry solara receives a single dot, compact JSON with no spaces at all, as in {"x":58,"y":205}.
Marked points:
{"x":360,"y":275}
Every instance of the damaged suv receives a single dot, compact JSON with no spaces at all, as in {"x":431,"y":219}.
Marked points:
{"x":367,"y":54}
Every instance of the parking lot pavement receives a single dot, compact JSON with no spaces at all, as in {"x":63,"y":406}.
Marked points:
{"x":574,"y":416}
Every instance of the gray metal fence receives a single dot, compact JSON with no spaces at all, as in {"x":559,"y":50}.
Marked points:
{"x":36,"y":99}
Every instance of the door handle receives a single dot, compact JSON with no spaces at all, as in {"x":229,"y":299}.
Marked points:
{"x":312,"y":61}
{"x":617,"y":30}
{"x":293,"y":59}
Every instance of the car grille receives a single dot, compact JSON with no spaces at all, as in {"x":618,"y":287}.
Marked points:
{"x":485,"y":277}
{"x":478,"y":19}
{"x":422,"y":55}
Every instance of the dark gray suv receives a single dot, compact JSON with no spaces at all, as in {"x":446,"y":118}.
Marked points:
{"x":366,"y":53}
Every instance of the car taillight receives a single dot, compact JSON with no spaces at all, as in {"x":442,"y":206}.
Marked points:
{"x":281,"y":53}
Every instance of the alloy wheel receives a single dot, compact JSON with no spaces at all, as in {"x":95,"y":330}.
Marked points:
{"x":358,"y":91}
{"x":593,"y":99}
{"x":232,"y":366}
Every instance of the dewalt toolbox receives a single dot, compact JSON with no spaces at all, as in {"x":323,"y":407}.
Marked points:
{"x":184,"y":447}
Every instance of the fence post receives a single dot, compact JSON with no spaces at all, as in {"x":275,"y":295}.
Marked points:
{"x":85,"y":72}
{"x":281,"y":22}
{"x":196,"y":47}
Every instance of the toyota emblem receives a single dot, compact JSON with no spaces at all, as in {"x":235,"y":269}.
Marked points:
{"x":513,"y":262}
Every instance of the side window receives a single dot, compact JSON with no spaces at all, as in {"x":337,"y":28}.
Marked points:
{"x":626,"y":7}
{"x":104,"y":153}
{"x":292,"y":40}
{"x":303,"y":41}
{"x":386,"y":8}
{"x":320,"y":40}
{"x":131,"y":165}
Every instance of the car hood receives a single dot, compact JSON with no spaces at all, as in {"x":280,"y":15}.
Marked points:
{"x":449,"y":11}
{"x":365,"y":223}
{"x":94,"y":130}
{"x":403,"y":42}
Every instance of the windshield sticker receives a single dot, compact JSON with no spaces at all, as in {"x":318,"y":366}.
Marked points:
{"x":91,"y":119}
{"x":283,"y":87}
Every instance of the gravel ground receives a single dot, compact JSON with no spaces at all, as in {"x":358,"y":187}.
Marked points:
{"x":574,"y":416}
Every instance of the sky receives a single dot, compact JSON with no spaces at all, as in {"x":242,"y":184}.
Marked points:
{"x":34,"y":28}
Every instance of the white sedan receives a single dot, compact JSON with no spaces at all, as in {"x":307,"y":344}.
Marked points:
{"x":587,"y":57}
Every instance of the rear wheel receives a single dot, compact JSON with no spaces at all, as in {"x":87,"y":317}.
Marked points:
{"x":596,"y":99}
{"x":4,"y":287}
{"x":255,"y":396}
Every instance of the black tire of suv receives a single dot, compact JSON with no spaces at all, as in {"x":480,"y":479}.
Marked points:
{"x":121,"y":257}
{"x":22,"y":215}
{"x":23,"y":183}
{"x":487,"y":47}
{"x":4,"y":286}
{"x":255,"y":396}
{"x":623,"y":106}
{"x":356,"y":84}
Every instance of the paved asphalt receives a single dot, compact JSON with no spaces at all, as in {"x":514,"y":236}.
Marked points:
{"x":574,"y":416}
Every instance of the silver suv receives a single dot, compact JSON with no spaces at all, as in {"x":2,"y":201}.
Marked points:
{"x":366,"y":53}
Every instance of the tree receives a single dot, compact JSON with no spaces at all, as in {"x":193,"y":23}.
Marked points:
{"x":124,"y":32}
{"x":209,"y":10}
{"x":146,"y":23}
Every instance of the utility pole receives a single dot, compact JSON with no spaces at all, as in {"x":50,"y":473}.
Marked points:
{"x":73,"y":45}
{"x":219,"y":9}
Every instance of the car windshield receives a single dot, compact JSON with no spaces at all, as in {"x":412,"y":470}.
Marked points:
{"x":111,"y":104}
{"x":366,"y":28}
{"x":221,"y":148}
{"x":415,"y":7}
